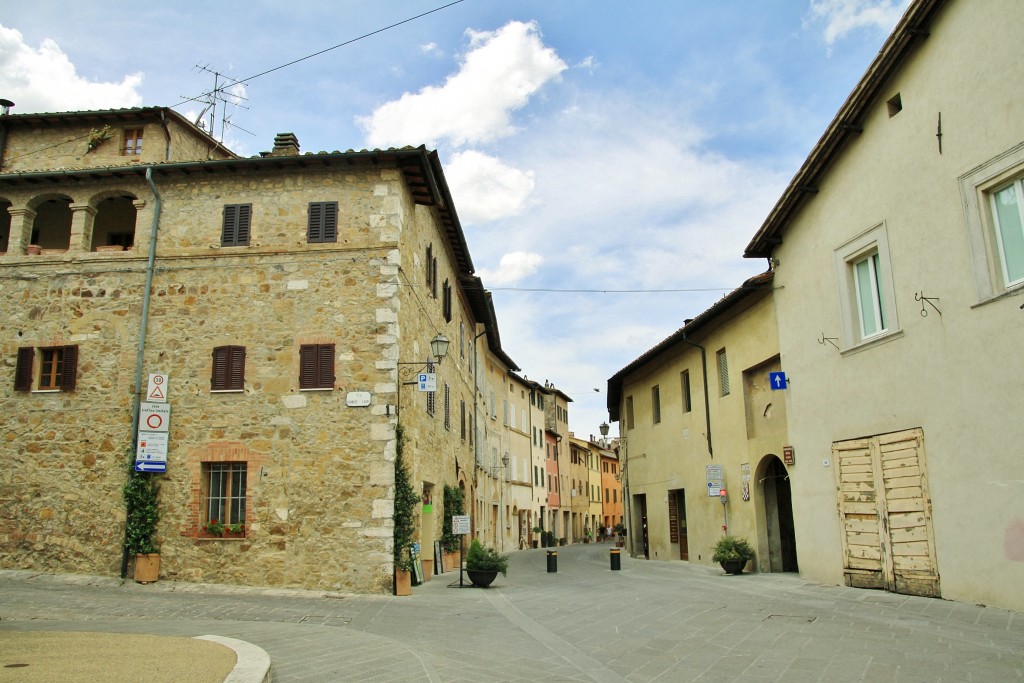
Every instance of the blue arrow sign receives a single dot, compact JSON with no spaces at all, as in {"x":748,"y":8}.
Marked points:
{"x":150,"y":466}
{"x":778,"y":381}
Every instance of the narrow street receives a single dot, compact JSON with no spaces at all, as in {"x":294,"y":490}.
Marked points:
{"x":650,"y":621}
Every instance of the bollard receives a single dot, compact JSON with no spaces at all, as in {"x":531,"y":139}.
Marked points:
{"x":616,"y":559}
{"x":552,"y":561}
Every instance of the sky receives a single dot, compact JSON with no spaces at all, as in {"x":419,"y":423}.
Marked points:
{"x":609,"y":160}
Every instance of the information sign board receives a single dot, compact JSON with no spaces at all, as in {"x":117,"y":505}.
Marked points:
{"x":460,"y":524}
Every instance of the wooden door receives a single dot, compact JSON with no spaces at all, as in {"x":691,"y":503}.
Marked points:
{"x":885,"y":512}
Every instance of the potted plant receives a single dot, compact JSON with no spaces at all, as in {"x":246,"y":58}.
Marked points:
{"x":234,"y":530}
{"x":537,"y":530}
{"x":620,"y":530}
{"x":142,"y":513}
{"x":405,"y":510}
{"x":483,"y":564}
{"x":214,"y":528}
{"x":732,"y":553}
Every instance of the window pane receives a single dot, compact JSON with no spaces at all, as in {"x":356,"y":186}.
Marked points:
{"x":1011,"y":233}
{"x":217,"y":490}
{"x":872,"y":317}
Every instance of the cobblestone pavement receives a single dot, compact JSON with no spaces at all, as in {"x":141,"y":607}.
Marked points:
{"x":650,"y":621}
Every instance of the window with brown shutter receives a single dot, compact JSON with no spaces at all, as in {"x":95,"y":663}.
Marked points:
{"x":58,"y":368}
{"x":237,"y":221}
{"x":228,"y":369}
{"x":316,"y":366}
{"x":323,"y":222}
{"x":446,"y":302}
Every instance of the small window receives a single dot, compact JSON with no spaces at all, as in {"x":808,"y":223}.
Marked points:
{"x":58,"y":369}
{"x":224,"y":491}
{"x":462,"y":417}
{"x":447,"y":407}
{"x":433,"y":277}
{"x":228,"y":369}
{"x":431,"y":395}
{"x":656,"y":404}
{"x":237,"y":221}
{"x":867,"y":304}
{"x":894,"y":105}
{"x":428,"y":265}
{"x":685,"y":381}
{"x":723,"y":373}
{"x":132,"y":145}
{"x":323,"y":222}
{"x":316,"y":366}
{"x":629,"y":412}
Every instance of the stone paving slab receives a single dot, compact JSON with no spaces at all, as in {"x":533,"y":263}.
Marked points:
{"x":651,"y":621}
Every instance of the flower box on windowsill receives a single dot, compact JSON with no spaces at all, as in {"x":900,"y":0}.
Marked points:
{"x":110,"y":247}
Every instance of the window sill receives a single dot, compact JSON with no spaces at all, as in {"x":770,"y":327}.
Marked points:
{"x":55,"y":390}
{"x":318,"y":389}
{"x":871,"y":343}
{"x":227,"y":391}
{"x":1011,"y":291}
{"x":221,"y":538}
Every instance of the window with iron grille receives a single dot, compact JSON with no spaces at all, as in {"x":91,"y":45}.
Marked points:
{"x":224,"y":490}
{"x":58,"y":368}
{"x":316,"y":366}
{"x":236,"y":227}
{"x":323,"y":222}
{"x":228,"y":369}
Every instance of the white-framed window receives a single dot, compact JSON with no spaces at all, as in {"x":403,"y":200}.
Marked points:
{"x":1008,"y":221}
{"x":866,"y":294}
{"x":993,"y":201}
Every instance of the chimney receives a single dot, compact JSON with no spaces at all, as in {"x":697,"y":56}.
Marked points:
{"x":5,"y":107}
{"x":285,"y":145}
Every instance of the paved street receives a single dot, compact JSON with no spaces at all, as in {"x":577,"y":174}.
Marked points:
{"x":649,"y":621}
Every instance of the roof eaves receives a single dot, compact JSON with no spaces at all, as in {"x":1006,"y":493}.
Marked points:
{"x":846,"y":124}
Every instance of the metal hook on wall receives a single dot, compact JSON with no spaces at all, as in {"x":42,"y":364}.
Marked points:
{"x":830,"y":340}
{"x":927,"y":300}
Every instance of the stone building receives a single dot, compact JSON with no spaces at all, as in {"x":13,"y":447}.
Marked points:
{"x":289,"y":299}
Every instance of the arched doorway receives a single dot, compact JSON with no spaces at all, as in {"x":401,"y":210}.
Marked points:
{"x":777,"y":496}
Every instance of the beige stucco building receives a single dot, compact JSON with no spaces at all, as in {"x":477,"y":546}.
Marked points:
{"x":289,"y":300}
{"x":899,"y":277}
{"x":697,"y":414}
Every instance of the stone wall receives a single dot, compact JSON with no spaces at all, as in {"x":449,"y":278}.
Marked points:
{"x":320,"y":473}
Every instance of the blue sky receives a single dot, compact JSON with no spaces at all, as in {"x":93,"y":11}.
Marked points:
{"x":601,"y":145}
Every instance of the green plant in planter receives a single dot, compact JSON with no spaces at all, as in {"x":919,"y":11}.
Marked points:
{"x":236,"y":528}
{"x":732,"y":549}
{"x":405,"y":508}
{"x":140,"y":497}
{"x":453,"y":505}
{"x":481,"y":558}
{"x":620,"y":529}
{"x":214,"y":527}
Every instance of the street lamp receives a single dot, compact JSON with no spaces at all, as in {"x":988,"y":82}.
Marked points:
{"x":439,"y":347}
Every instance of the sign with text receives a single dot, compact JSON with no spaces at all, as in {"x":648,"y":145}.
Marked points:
{"x":427,"y":381}
{"x":460,"y":524}
{"x":154,"y":417}
{"x":152,"y":447}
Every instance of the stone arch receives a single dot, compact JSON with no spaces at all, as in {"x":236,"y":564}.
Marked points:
{"x":51,"y":225}
{"x":114,"y":221}
{"x":774,"y":509}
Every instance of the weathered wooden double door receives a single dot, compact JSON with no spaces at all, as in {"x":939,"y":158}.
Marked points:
{"x":886,"y":512}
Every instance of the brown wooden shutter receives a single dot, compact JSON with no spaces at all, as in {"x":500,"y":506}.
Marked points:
{"x":325,"y":366}
{"x":218,"y":380}
{"x":237,"y":220}
{"x":307,"y":366}
{"x":23,"y":370}
{"x":330,"y":224}
{"x":236,"y":367}
{"x":244,"y":221}
{"x":69,"y":370}
{"x":315,"y":228}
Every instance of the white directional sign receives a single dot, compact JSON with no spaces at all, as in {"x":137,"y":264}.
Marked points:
{"x":427,"y":381}
{"x":157,"y":391}
{"x":154,"y":417}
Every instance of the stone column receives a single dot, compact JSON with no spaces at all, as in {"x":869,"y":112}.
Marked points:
{"x":142,"y":227}
{"x":82,"y":217}
{"x":21,"y":230}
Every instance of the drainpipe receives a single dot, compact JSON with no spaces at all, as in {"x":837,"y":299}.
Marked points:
{"x":707,"y":402}
{"x":142,"y":340}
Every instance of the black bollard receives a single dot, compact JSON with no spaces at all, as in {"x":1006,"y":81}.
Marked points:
{"x":552,"y":561}
{"x":616,"y":559}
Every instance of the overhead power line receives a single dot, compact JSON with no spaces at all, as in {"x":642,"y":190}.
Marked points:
{"x":325,"y":50}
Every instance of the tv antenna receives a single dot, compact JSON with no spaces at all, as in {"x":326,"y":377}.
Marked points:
{"x":223,"y":94}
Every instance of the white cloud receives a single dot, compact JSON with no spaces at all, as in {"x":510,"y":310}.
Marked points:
{"x":431,"y":49}
{"x":512,"y":268}
{"x":499,"y":74}
{"x":845,"y":16}
{"x":487,"y":189}
{"x":44,"y":79}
